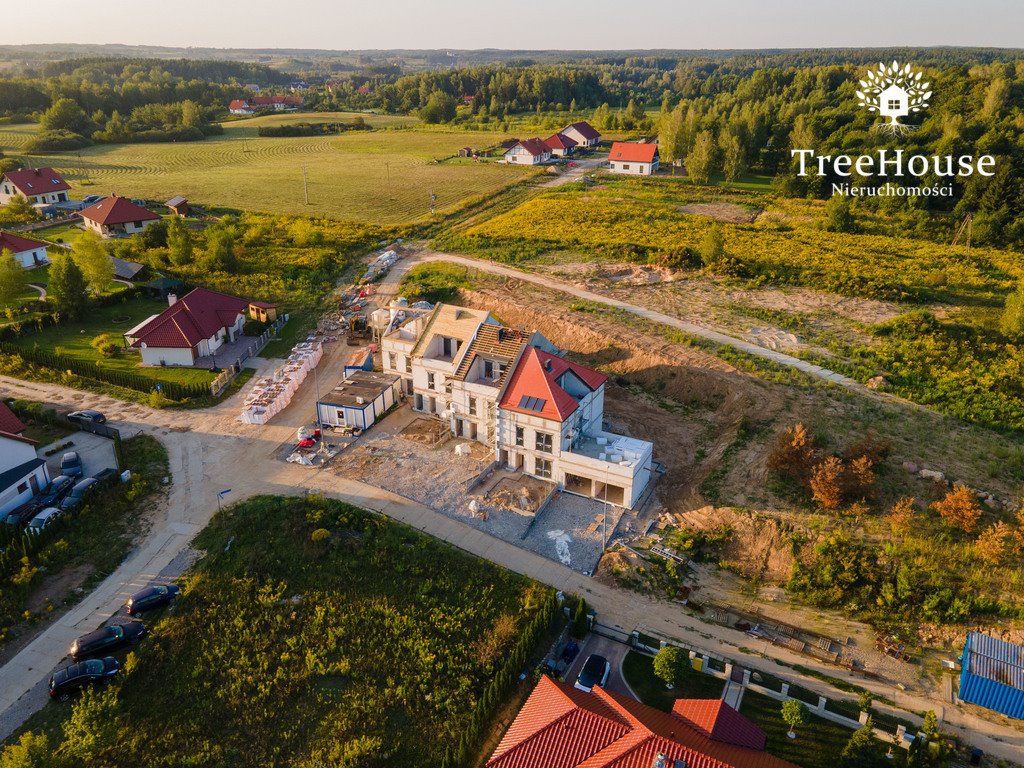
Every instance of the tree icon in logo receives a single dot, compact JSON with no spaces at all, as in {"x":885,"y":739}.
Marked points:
{"x":894,"y":92}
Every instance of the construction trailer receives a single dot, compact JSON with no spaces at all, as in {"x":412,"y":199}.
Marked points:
{"x":361,"y":399}
{"x":992,"y":675}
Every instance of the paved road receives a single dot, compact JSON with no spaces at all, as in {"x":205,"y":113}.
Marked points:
{"x":210,"y":449}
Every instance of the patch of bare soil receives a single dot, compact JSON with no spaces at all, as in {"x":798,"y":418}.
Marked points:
{"x":729,"y":212}
{"x":609,"y":273}
{"x":758,"y":547}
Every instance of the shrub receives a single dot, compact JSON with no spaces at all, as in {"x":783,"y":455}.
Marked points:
{"x":959,"y":508}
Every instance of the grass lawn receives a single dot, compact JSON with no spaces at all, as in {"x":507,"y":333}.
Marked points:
{"x":638,"y":669}
{"x":74,"y":340}
{"x":384,"y":176}
{"x":311,"y":633}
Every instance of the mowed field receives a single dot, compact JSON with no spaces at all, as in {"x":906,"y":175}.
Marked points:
{"x":383,"y":176}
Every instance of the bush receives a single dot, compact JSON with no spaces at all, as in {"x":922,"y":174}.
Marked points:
{"x":670,"y":664}
{"x":56,"y":141}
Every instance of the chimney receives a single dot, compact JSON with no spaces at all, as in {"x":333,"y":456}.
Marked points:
{"x":172,"y":299}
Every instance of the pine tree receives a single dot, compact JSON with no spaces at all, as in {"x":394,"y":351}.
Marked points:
{"x":67,"y":287}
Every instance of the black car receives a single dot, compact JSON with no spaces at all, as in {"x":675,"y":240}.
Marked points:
{"x":87,"y":417}
{"x":77,"y":495}
{"x":595,"y":672}
{"x":21,"y":515}
{"x":58,"y":488}
{"x":106,"y":639}
{"x":66,"y":681}
{"x":151,"y":597}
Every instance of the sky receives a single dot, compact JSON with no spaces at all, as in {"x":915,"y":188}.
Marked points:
{"x":519,"y":24}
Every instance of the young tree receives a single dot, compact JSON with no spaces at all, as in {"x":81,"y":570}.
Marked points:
{"x":32,"y":750}
{"x":179,"y":242}
{"x":19,"y":210}
{"x":903,"y":517}
{"x":827,"y":482}
{"x":440,"y":108}
{"x":1011,"y":322}
{"x":993,"y":543}
{"x":712,"y":246}
{"x":13,"y":278}
{"x":838,"y":216}
{"x":90,"y":254}
{"x":793,"y":715}
{"x":700,"y":160}
{"x":670,"y":665}
{"x":67,"y":287}
{"x":865,"y":700}
{"x":793,"y":454}
{"x":861,"y":477}
{"x":220,"y":251}
{"x":861,"y":751}
{"x":580,"y":620}
{"x":734,"y":159}
{"x":959,"y":508}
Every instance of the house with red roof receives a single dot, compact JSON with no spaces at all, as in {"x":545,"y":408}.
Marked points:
{"x":560,"y":144}
{"x":583,"y":133}
{"x":632,"y":158}
{"x":255,"y":104}
{"x":117,"y":216}
{"x":560,"y":726}
{"x":22,"y":473}
{"x":509,"y":389}
{"x":528,"y":152}
{"x":29,"y":253}
{"x":194,"y":326}
{"x":40,"y":186}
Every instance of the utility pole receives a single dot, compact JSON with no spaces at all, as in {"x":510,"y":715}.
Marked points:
{"x":305,"y":185}
{"x":433,"y":203}
{"x":387,"y":171}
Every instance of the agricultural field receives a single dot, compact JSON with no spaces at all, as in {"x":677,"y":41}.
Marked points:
{"x":382,"y":176}
{"x":324,"y":635}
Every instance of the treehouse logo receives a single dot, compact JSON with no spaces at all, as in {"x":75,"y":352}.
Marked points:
{"x":894,"y":92}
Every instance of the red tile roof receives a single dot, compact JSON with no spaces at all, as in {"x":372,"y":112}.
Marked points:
{"x":9,"y":423}
{"x":559,"y":141}
{"x":198,"y":315}
{"x":238,"y":104}
{"x":562,"y":727}
{"x":535,"y":147}
{"x":633,"y":153}
{"x":117,"y":210}
{"x":36,"y":181}
{"x":17,"y":244}
{"x":537,"y":376}
{"x":717,"y":720}
{"x":586,"y":130}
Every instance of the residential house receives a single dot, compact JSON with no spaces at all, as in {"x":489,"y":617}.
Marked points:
{"x":29,"y":253}
{"x":194,"y":326}
{"x":561,"y":726}
{"x":256,"y":104}
{"x":116,"y":216}
{"x":508,"y":389}
{"x":528,"y":152}
{"x":22,"y":473}
{"x":560,"y":144}
{"x":40,"y":186}
{"x":583,"y":133}
{"x":630,"y":158}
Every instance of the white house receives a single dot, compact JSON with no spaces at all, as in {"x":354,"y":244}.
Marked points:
{"x":630,"y":158}
{"x":29,"y":253}
{"x":528,"y":152}
{"x":194,"y":326}
{"x":583,"y":133}
{"x":560,"y":144}
{"x":506,"y":388}
{"x":40,"y":186}
{"x":22,"y":473}
{"x":114,"y":216}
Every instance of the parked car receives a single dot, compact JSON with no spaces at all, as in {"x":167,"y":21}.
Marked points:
{"x":66,"y":681}
{"x":43,"y":519}
{"x":151,"y":597}
{"x":87,"y":417}
{"x":57,"y":489}
{"x":74,"y":499}
{"x":595,"y":672}
{"x":21,"y":515}
{"x":93,"y":199}
{"x":71,"y":464}
{"x":106,"y":639}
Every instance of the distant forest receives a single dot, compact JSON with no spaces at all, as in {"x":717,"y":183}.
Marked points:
{"x":722,"y":113}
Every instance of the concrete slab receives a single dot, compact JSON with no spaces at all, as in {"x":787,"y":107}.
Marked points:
{"x":96,"y":452}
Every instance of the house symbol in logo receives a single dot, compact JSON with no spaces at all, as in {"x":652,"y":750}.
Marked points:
{"x":893,"y":103}
{"x":894,"y":91}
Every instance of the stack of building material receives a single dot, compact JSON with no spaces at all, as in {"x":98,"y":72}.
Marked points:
{"x":380,"y":266}
{"x":272,"y":394}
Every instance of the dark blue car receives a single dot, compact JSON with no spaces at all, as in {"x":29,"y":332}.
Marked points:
{"x":151,"y":597}
{"x":66,"y":681}
{"x":58,"y":488}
